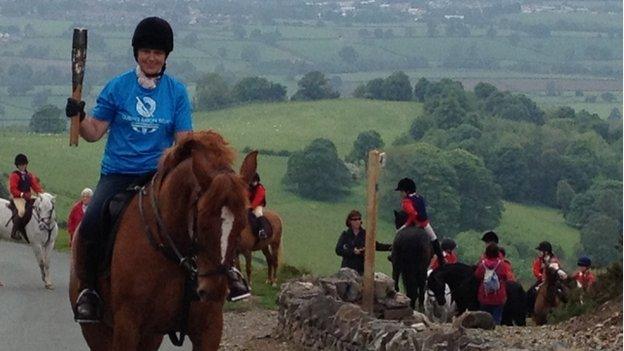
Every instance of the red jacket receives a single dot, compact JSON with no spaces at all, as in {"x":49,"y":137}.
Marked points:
{"x":584,"y":279}
{"x":17,"y":181}
{"x":496,"y":298}
{"x":512,"y":276}
{"x":412,"y":214}
{"x":539,"y":265}
{"x":75,"y":216}
{"x":449,"y":256}
{"x":257,"y":196}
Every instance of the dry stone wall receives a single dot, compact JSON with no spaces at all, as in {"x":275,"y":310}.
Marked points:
{"x":324,"y":314}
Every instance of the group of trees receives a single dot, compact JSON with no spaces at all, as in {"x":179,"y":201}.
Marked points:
{"x":556,"y":158}
{"x":395,"y":87}
{"x":213,"y":92}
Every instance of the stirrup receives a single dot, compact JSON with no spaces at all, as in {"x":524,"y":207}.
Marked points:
{"x":90,"y":297}
{"x":239,"y":289}
{"x":262,"y":234}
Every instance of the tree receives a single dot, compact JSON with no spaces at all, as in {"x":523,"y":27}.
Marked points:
{"x":212,"y":92}
{"x":480,"y":206}
{"x":317,"y":173}
{"x":397,"y":87}
{"x":348,"y":54}
{"x":250,"y":54}
{"x":484,"y":90}
{"x":420,"y":89}
{"x":565,"y":112}
{"x":602,"y":198}
{"x":511,"y":170}
{"x":48,"y":119}
{"x":601,"y":239}
{"x":565,"y":195}
{"x":365,"y":141}
{"x":314,"y":86}
{"x":258,"y":89}
{"x":420,"y":126}
{"x":449,"y":113}
{"x":615,"y":114}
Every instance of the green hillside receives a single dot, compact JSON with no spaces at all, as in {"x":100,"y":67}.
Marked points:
{"x":311,"y":228}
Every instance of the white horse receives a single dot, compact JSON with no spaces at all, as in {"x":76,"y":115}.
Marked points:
{"x":435,"y":312}
{"x":41,"y":230}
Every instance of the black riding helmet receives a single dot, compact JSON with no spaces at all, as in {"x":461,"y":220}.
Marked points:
{"x":584,"y":261}
{"x":21,"y":159}
{"x":490,"y":237}
{"x":152,"y":33}
{"x":407,"y":185}
{"x":448,"y":244}
{"x":256,"y":178}
{"x":544,"y":246}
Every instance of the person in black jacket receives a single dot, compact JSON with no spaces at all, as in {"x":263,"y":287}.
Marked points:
{"x":352,"y":242}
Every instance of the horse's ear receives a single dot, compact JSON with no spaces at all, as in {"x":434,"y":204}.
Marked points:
{"x":396,"y":214}
{"x":249,"y":166}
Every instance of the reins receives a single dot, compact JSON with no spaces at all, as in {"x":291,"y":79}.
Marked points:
{"x":171,"y":251}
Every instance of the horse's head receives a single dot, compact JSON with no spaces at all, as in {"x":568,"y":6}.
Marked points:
{"x":44,"y":208}
{"x":436,"y":284}
{"x":400,"y":217}
{"x":220,"y":201}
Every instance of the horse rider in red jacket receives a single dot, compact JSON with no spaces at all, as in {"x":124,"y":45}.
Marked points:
{"x":545,"y":259}
{"x":257,"y":202}
{"x":448,"y":250}
{"x":22,"y":186}
{"x":583,"y":276}
{"x":414,"y":205}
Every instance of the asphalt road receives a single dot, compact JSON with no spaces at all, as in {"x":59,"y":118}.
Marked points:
{"x":32,"y":317}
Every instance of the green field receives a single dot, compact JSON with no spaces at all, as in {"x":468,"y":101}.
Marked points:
{"x":311,"y":228}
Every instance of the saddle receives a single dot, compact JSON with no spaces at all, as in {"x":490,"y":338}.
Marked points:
{"x":257,"y":223}
{"x":19,"y":223}
{"x":112,"y":211}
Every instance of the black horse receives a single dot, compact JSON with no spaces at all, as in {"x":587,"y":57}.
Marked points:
{"x":464,"y":285}
{"x":411,"y":254}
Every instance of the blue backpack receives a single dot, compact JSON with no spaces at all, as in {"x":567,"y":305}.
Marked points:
{"x":491,"y":283}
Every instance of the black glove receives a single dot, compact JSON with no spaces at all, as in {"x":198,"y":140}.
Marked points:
{"x":75,"y":107}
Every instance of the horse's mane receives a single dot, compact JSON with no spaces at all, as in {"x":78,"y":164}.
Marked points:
{"x":209,"y":144}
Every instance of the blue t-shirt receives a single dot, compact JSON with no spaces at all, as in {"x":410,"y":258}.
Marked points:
{"x":143,"y":122}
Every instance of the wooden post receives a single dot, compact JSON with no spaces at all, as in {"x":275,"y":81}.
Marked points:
{"x":79,"y":59}
{"x":374,"y":158}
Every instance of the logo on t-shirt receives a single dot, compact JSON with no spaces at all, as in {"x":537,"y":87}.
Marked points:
{"x":145,"y":107}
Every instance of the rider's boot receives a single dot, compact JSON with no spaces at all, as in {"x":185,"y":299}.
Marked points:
{"x":17,"y":223}
{"x":238,"y":287}
{"x":261,"y":231}
{"x":438,"y":251}
{"x":89,"y":304}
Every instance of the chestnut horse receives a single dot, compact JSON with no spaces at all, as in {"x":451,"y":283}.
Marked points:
{"x":194,"y":208}
{"x":271,"y":247}
{"x":547,"y":297}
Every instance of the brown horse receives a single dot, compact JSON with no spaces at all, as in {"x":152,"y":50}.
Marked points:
{"x":271,"y":247}
{"x":548,"y":297}
{"x":193,"y":208}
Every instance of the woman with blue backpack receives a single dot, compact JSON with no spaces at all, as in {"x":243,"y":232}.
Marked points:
{"x":492,"y":274}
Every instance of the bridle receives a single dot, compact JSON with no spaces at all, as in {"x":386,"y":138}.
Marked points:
{"x":45,"y":223}
{"x":187,"y":261}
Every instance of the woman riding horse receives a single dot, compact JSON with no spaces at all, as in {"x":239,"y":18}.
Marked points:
{"x":144,"y":111}
{"x":171,"y":257}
